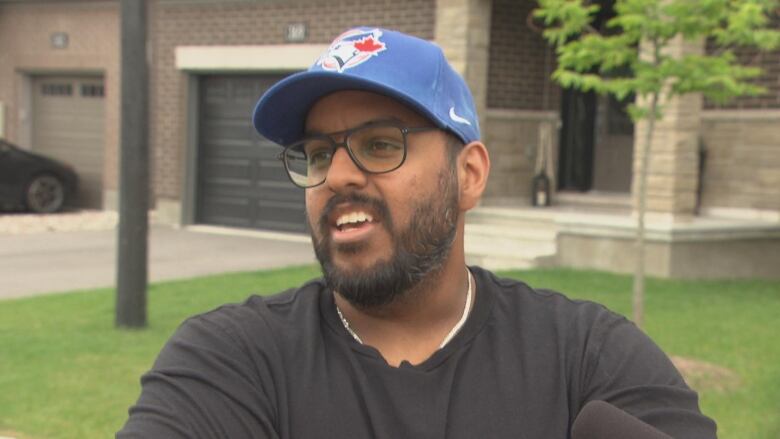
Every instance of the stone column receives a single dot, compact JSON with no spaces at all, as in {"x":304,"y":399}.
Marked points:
{"x":463,"y":32}
{"x":673,"y":168}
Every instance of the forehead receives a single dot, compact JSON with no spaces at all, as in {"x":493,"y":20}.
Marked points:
{"x":343,"y":110}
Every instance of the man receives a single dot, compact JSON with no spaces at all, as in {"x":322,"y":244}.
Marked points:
{"x":400,"y":339}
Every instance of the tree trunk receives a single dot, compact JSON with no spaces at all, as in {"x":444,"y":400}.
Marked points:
{"x":644,"y":163}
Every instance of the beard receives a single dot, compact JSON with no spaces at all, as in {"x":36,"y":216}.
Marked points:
{"x":419,"y":250}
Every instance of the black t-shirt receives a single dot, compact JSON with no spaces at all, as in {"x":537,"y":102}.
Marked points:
{"x":522,"y":366}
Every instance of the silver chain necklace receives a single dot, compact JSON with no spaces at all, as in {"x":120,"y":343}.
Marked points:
{"x":449,"y":336}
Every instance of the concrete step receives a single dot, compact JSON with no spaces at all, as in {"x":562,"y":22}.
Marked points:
{"x":594,"y":201}
{"x":527,"y":217}
{"x":505,"y":238}
{"x":495,"y":263}
{"x":522,"y":231}
{"x":509,"y":248}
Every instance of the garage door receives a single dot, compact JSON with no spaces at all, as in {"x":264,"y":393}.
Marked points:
{"x":240,"y":181}
{"x":68,"y":125}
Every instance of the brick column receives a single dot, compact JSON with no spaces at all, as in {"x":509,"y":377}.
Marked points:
{"x":463,"y":32}
{"x":673,"y":168}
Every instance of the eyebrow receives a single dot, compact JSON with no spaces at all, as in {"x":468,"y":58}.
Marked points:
{"x":370,"y":122}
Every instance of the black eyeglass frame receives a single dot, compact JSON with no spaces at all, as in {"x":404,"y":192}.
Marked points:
{"x":405,"y":131}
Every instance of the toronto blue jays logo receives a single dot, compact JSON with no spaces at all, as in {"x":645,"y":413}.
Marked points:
{"x":352,"y":48}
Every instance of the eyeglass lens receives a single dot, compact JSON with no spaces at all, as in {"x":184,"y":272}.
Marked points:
{"x":375,"y":149}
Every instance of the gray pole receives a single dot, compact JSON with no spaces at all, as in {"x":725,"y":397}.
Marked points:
{"x":134,"y":170}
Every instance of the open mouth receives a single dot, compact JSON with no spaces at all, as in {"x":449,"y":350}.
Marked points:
{"x":353,"y":220}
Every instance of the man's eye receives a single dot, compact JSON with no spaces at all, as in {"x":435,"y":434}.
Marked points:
{"x":319,"y":157}
{"x":381,"y":147}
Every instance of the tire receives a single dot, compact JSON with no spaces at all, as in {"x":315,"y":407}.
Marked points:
{"x":45,"y":194}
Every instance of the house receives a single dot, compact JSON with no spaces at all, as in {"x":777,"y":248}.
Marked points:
{"x":714,"y":187}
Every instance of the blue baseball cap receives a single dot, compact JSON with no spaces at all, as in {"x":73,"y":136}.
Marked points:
{"x":409,"y":69}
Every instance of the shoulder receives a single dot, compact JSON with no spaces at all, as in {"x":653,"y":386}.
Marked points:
{"x":577,"y":335}
{"x":228,"y":362}
{"x":257,"y":322}
{"x":279,"y":306}
{"x":517,"y":301}
{"x":603,"y":355}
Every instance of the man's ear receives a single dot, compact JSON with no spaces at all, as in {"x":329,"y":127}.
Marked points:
{"x":473,"y":171}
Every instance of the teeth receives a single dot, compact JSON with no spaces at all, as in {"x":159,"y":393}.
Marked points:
{"x":352,"y":218}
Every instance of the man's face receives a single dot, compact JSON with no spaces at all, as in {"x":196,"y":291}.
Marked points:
{"x":378,"y":235}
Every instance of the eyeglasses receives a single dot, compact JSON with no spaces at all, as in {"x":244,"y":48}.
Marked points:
{"x":376,"y":148}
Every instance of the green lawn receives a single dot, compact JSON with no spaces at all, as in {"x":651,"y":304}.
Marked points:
{"x":65,"y":372}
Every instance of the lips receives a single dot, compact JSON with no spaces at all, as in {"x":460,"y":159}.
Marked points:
{"x":351,"y":220}
{"x":352,"y":225}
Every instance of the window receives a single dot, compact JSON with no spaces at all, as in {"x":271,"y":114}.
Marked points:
{"x":57,"y":89}
{"x":92,"y":91}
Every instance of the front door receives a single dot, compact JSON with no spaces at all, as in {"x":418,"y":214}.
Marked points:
{"x":614,"y":147}
{"x":575,"y":159}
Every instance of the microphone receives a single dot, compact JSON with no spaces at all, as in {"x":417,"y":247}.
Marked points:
{"x":600,"y":420}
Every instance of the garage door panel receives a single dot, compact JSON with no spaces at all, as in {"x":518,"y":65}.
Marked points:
{"x":275,"y":193}
{"x":228,"y":212}
{"x":255,"y":170}
{"x":228,"y":187}
{"x":268,"y":148}
{"x":279,"y":210}
{"x":239,"y":189}
{"x":233,"y":111}
{"x":278,"y":174}
{"x":240,"y":181}
{"x":221,"y":132}
{"x":230,"y":148}
{"x":218,"y":166}
{"x":238,"y":132}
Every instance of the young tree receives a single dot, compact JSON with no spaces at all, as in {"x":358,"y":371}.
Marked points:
{"x":631,"y":57}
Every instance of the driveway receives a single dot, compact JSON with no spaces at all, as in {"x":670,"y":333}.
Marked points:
{"x":66,"y":260}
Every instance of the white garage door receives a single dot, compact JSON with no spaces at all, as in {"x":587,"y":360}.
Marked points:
{"x":68,"y":125}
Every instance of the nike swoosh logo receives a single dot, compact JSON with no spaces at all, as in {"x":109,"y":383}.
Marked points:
{"x":457,"y":118}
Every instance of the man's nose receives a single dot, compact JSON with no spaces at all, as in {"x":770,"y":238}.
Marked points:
{"x":344,"y":172}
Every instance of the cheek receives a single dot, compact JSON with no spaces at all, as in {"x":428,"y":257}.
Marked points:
{"x":314,"y":207}
{"x":404,"y":197}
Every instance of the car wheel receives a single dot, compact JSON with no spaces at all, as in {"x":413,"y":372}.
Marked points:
{"x":45,"y":194}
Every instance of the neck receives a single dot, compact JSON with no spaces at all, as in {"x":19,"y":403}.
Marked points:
{"x":414,"y":326}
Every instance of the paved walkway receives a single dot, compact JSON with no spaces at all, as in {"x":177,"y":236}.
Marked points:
{"x":34,"y":261}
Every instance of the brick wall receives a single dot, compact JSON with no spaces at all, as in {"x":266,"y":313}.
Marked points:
{"x":93,"y":47}
{"x":175,"y":24}
{"x":520,"y":61}
{"x":769,"y":62}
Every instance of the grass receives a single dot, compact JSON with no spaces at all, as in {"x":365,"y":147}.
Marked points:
{"x":65,"y":372}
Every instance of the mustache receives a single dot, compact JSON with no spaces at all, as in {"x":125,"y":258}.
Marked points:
{"x":378,"y":206}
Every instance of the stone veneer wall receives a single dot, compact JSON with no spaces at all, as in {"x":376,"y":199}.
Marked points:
{"x":673,"y":168}
{"x":463,"y":32}
{"x":742,"y":168}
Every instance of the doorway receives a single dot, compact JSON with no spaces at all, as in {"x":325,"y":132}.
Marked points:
{"x":596,"y":147}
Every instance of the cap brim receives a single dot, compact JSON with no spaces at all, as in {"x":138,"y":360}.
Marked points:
{"x":280,"y":114}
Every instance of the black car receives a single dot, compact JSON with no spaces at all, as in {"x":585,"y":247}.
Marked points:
{"x":34,"y":182}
